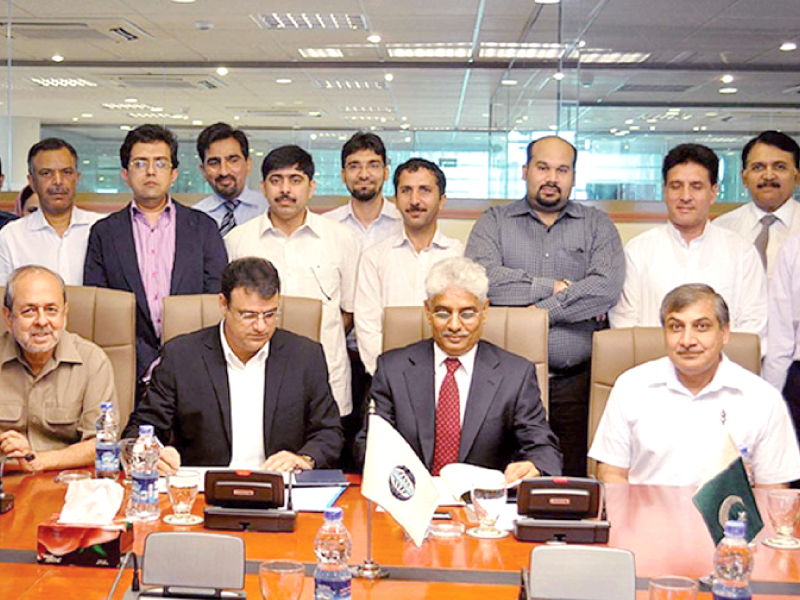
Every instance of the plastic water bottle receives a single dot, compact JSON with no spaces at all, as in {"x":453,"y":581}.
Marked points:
{"x":106,"y":461}
{"x":144,"y":476}
{"x":733,"y":562}
{"x":748,"y":465}
{"x":332,"y":547}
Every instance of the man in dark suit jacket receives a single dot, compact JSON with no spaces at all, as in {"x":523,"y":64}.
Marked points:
{"x":503,"y":423}
{"x":213,"y":410}
{"x":153,"y":247}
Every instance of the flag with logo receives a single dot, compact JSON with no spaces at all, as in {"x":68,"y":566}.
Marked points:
{"x":726,"y":494}
{"x":395,"y":479}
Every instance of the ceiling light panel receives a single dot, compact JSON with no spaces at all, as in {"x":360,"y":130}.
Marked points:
{"x":440,"y":50}
{"x":63,"y":82}
{"x":320,"y":52}
{"x":306,"y":21}
{"x":349,"y":84}
{"x":368,"y":109}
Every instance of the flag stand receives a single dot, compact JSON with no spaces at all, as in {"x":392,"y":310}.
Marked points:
{"x":369,"y":569}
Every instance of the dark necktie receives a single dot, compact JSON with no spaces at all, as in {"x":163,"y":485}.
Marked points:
{"x":229,"y":220}
{"x":762,"y":239}
{"x":448,"y":419}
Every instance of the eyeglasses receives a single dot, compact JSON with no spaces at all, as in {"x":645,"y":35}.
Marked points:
{"x":142,"y":164}
{"x":355,"y":167}
{"x":464,"y":315}
{"x":252,"y":317}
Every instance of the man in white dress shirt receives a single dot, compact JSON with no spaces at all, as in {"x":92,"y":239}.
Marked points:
{"x":771,"y":173}
{"x":316,"y":257}
{"x":393,"y":272}
{"x":226,"y":164}
{"x":667,"y":420}
{"x":691,"y":249}
{"x":56,"y":236}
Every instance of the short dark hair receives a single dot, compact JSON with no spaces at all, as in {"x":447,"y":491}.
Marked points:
{"x":692,"y":153}
{"x":8,"y":298}
{"x":364,"y":141}
{"x":551,"y":137}
{"x":773,"y":138}
{"x":147,"y":134}
{"x":220,"y":131}
{"x":415,"y":164}
{"x":689,"y":293}
{"x":288,"y":156}
{"x":46,"y":144}
{"x":253,"y":274}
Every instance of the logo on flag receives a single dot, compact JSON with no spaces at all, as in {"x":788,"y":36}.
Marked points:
{"x":401,"y":483}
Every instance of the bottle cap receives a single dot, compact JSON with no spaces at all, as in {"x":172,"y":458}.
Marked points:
{"x":107,"y":405}
{"x":735,"y":529}
{"x":334,"y":513}
{"x":145,"y":430}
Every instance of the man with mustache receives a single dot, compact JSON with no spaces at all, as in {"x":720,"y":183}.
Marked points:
{"x":52,"y":382}
{"x":771,"y":173}
{"x":154,"y":247}
{"x":226,"y":164}
{"x":559,"y":255}
{"x":57,"y":235}
{"x":691,"y":249}
{"x":393,"y":271}
{"x":316,"y":257}
{"x":667,"y":420}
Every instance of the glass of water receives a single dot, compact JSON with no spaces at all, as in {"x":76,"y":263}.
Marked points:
{"x":281,"y":580}
{"x":182,"y":487}
{"x":488,"y":500}
{"x":784,"y":513}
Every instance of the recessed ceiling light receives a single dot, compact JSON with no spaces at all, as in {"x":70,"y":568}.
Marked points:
{"x":553,"y":127}
{"x":235,"y":117}
{"x":222,"y":71}
{"x":695,"y":128}
{"x":559,"y":76}
{"x":652,"y":127}
{"x":508,"y":82}
{"x":74,"y":118}
{"x":388,"y":77}
{"x":628,"y":121}
{"x":374,"y":38}
{"x":197,"y":122}
{"x":283,"y":81}
{"x":313,"y":136}
{"x":712,"y":114}
{"x":407,"y":139}
{"x":635,"y":128}
{"x":314,"y":113}
{"x":547,"y":1}
{"x":131,"y":100}
{"x":87,"y":115}
{"x":788,"y":47}
{"x":126,"y":127}
{"x":405,"y":126}
{"x":728,"y":90}
{"x":726,"y":78}
{"x":184,"y":1}
{"x":57,"y":58}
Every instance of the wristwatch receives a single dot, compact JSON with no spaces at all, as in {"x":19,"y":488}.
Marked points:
{"x":309,"y":459}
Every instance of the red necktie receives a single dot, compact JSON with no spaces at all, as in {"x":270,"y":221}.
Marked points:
{"x":448,"y":420}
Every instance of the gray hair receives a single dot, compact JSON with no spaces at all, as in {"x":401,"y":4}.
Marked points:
{"x":8,"y":300}
{"x":690,"y":293}
{"x":458,"y":272}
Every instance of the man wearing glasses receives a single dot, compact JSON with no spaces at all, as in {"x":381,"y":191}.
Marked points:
{"x":154,"y":247}
{"x":243,"y":393}
{"x":458,"y":399}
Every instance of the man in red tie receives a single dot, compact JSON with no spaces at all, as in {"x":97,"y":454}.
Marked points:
{"x":456,"y":398}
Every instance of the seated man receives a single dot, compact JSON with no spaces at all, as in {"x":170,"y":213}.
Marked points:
{"x":665,"y":419}
{"x":51,"y":381}
{"x":243,"y":393}
{"x":487,"y":409}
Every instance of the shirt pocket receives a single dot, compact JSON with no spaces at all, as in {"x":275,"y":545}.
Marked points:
{"x":327,"y":280}
{"x":10,"y":414}
{"x":571,"y":264}
{"x":62,"y":417}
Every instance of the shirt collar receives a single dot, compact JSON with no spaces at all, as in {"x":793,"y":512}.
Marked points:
{"x":467,"y":360}
{"x":244,"y":198}
{"x":523,"y":207}
{"x":37,"y":221}
{"x":439,"y":240}
{"x":66,"y":351}
{"x":312,"y":223}
{"x":676,"y":236}
{"x":136,"y":210}
{"x":231,"y":359}
{"x":721,"y":380}
{"x":784,"y":214}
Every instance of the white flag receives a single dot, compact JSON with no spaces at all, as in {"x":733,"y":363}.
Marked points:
{"x":396,"y":479}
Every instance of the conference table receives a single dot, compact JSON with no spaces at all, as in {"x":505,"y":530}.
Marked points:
{"x":658,"y":524}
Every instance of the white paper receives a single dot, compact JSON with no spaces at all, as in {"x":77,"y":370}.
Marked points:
{"x":91,"y":502}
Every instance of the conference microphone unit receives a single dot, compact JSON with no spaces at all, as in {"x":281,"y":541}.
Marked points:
{"x":6,"y":500}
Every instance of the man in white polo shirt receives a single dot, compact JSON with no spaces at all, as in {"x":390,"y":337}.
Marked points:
{"x":666,"y":419}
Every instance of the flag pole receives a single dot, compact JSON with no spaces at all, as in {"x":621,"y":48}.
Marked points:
{"x":369,"y":569}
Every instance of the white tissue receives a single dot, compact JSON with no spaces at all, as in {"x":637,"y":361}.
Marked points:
{"x":92,"y":502}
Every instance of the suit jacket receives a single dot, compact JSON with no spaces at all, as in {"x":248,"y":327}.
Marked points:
{"x":188,"y":400}
{"x":111,"y":262}
{"x":6,"y":218}
{"x":504,"y":420}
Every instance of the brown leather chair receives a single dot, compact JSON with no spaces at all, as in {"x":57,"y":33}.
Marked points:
{"x":107,"y":317}
{"x":614,"y":351}
{"x":184,"y":314}
{"x":520,"y":330}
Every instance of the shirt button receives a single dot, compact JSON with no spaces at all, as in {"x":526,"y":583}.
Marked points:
{"x":547,"y":255}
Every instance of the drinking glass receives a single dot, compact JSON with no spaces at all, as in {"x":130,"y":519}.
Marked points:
{"x":488,"y":500}
{"x":281,"y":580}
{"x":784,"y":513}
{"x":182,"y":487}
{"x":673,"y":588}
{"x":125,"y":454}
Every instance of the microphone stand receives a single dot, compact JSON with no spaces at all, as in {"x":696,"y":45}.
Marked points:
{"x":6,"y":500}
{"x":369,"y":569}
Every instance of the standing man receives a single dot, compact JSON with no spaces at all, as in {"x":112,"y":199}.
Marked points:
{"x":364,"y":170}
{"x":226,"y":164}
{"x":691,"y":249}
{"x":771,"y":173}
{"x":561,"y":256}
{"x":154,"y":247}
{"x":392,"y":272}
{"x":316,"y":257}
{"x":55,"y":236}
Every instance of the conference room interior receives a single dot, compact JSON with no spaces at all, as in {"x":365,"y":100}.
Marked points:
{"x":466,"y":84}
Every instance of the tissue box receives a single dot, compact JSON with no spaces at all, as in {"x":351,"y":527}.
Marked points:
{"x":85,"y":545}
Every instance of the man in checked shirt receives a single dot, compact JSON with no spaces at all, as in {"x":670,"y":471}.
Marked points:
{"x":548,"y":251}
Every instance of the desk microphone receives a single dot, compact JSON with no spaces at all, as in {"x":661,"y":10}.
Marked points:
{"x":6,"y":500}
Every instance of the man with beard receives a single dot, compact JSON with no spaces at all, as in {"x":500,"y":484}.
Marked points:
{"x":226,"y":164}
{"x":57,"y":235}
{"x":52,"y":382}
{"x":364,"y":169}
{"x":547,"y":251}
{"x":315,"y":257}
{"x":393,"y":271}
